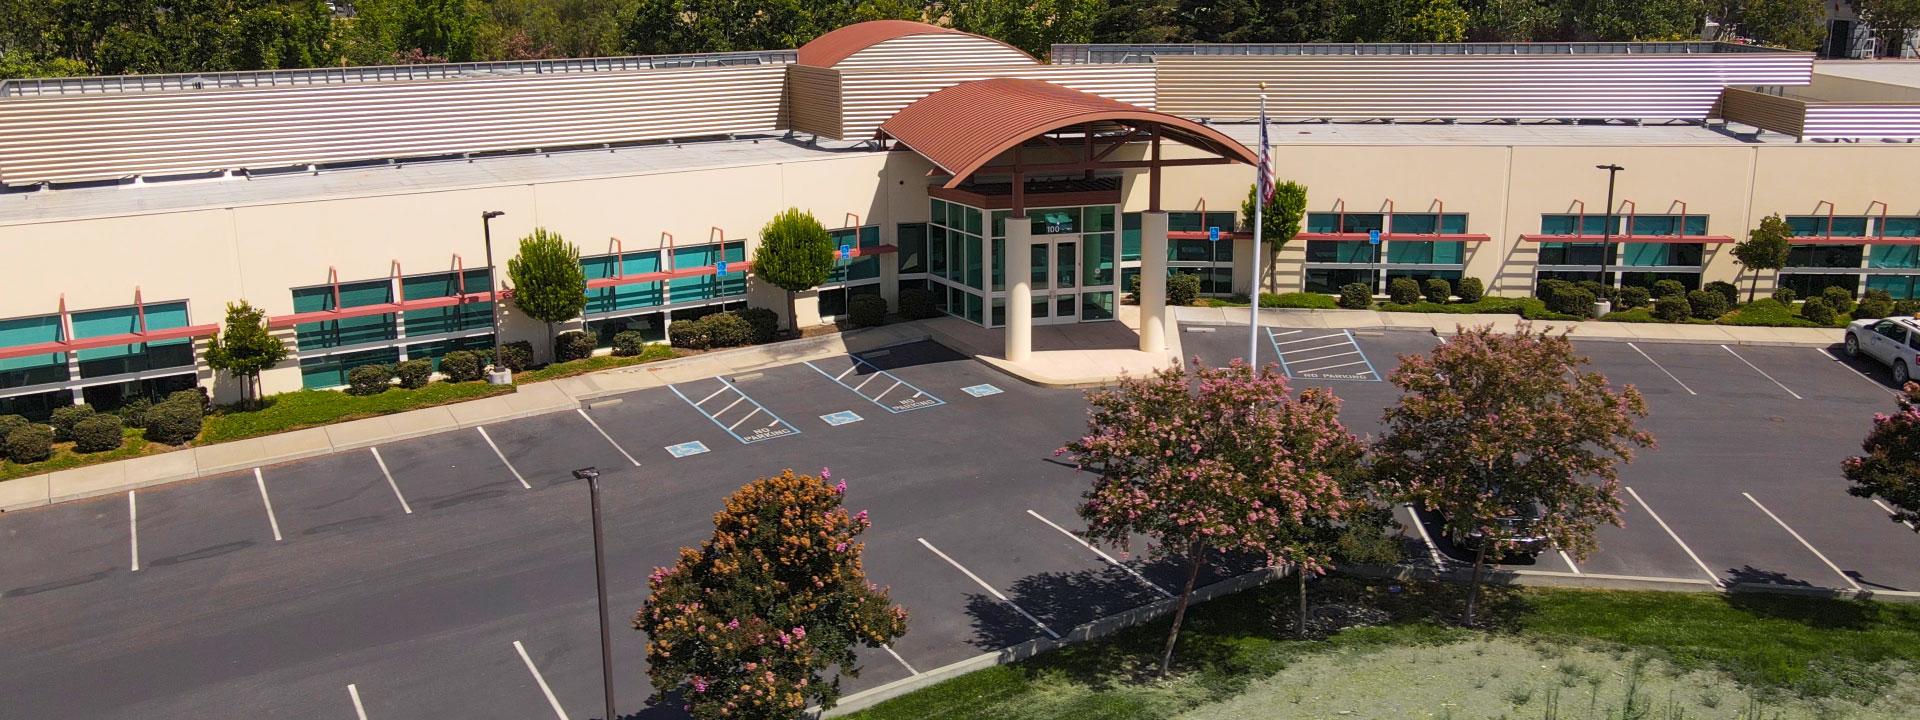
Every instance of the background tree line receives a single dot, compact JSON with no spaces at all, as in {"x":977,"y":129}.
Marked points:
{"x":72,"y":37}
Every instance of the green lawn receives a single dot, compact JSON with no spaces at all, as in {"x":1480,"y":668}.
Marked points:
{"x":1529,"y":308}
{"x":652,"y":353}
{"x":310,"y":408}
{"x":64,"y":458}
{"x":1645,"y":315}
{"x":1545,"y":648}
{"x":1768,"y":312}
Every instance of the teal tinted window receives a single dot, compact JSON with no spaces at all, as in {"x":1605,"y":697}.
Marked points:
{"x":1666,"y":225}
{"x":1129,"y":236}
{"x":1893,"y":256}
{"x":1825,"y":256}
{"x":1656,"y":254}
{"x":118,"y":359}
{"x":33,"y":369}
{"x":707,"y":287}
{"x":331,"y":370}
{"x":620,"y":297}
{"x":1054,"y":221}
{"x":1816,"y":226}
{"x":973,"y":221}
{"x":999,"y":264}
{"x":1096,"y":258}
{"x":1348,"y":223}
{"x":956,"y":216}
{"x":433,"y":351}
{"x":1900,"y":227}
{"x":1202,"y":250}
{"x":1099,"y":218}
{"x":975,"y":262}
{"x":465,"y":316}
{"x":1421,"y":252}
{"x":1901,"y":287}
{"x":911,"y":238}
{"x":866,"y":267}
{"x":1424,"y":223}
{"x":937,"y":211}
{"x":1197,"y":222}
{"x":350,"y":331}
{"x":1574,"y":225}
{"x":1336,"y":251}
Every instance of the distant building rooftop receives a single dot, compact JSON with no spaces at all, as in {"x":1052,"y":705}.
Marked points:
{"x":1895,"y":72}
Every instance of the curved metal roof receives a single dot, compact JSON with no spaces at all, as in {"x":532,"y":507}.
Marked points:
{"x":841,"y":43}
{"x":963,"y":127}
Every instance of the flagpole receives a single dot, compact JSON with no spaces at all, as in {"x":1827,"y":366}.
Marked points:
{"x":1259,"y":208}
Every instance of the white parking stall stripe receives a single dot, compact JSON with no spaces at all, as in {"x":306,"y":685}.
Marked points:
{"x":1103,"y":555}
{"x":1311,"y":339}
{"x":503,"y":458}
{"x":271,"y":520}
{"x":849,"y":371}
{"x":730,"y":405}
{"x":133,"y":530}
{"x":1763,"y":373}
{"x":1568,"y":559}
{"x":989,"y":588}
{"x":603,"y":433}
{"x":901,"y":660}
{"x":390,"y":482}
{"x":1663,"y":368}
{"x":890,"y":388}
{"x":1890,"y":512}
{"x":704,"y":400}
{"x":552,"y":701}
{"x":749,"y":416}
{"x":1675,"y":536}
{"x":1856,"y":371}
{"x":863,"y":383}
{"x":1803,"y":541}
{"x":1311,"y":349}
{"x":1433,"y":551}
{"x":359,"y":711}
{"x":1331,"y":367}
{"x":1284,"y":334}
{"x":1327,"y":357}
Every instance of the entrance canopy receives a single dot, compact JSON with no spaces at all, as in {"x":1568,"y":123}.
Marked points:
{"x":966,"y":126}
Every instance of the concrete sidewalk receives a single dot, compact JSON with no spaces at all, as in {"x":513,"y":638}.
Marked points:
{"x":1073,"y":355}
{"x":527,"y":400}
{"x":1445,"y":324}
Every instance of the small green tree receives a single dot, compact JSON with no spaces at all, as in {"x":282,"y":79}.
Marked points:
{"x":1890,"y":469}
{"x":748,"y":626}
{"x":1279,"y":222}
{"x":245,"y":348}
{"x":1766,"y":248}
{"x":1493,"y":425}
{"x":795,"y":254}
{"x":548,"y":284}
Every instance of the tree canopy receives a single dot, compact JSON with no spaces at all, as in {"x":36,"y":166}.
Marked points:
{"x":1766,"y":248}
{"x":548,"y":284}
{"x":245,"y":346}
{"x":1889,"y":468}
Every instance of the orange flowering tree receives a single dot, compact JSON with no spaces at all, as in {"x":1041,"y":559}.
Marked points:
{"x":1492,"y":425}
{"x":748,"y":625}
{"x":1890,"y":469}
{"x":1216,"y":459}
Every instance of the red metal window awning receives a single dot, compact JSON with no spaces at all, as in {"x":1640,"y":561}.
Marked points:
{"x":1597,"y":239}
{"x":1394,"y":237}
{"x":143,"y":335}
{"x":460,"y":297}
{"x":1832,"y":239}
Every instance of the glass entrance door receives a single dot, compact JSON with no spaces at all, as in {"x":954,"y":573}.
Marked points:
{"x":1056,"y":281}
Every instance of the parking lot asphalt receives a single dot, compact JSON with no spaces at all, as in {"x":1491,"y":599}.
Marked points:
{"x":451,"y":575}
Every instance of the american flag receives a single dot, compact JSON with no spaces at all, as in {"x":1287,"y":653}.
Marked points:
{"x":1266,"y":161}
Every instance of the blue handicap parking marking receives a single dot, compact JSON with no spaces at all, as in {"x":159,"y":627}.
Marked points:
{"x":981,"y":390}
{"x":734,"y":411}
{"x":877,"y":386}
{"x":694,"y":447}
{"x":1321,"y":355}
{"x":843,"y":417}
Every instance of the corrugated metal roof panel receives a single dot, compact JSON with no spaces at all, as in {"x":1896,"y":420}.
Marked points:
{"x":904,"y":43}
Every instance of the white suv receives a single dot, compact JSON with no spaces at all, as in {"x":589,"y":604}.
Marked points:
{"x":1895,"y":342}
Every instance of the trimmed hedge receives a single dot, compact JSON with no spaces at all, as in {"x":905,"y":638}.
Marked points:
{"x":10,"y":423}
{"x":1571,"y":300}
{"x":463,"y":366}
{"x":1356,"y":296}
{"x":1838,"y":299}
{"x":766,"y":323}
{"x":728,"y":329}
{"x":918,"y":304}
{"x":628,"y":343}
{"x":174,"y":422}
{"x":515,"y":356}
{"x":866,"y":310}
{"x":1470,"y":290}
{"x":573,"y":345}
{"x":132,"y":412}
{"x":1438,"y":291}
{"x":1663,"y":288}
{"x":1817,"y":310}
{"x":414,"y":373}
{"x":1875,"y":304}
{"x":1314,"y":301}
{"x":1633,"y":296}
{"x":691,"y":334}
{"x":1785,"y":295}
{"x":1182,"y":288}
{"x":1727,"y":291}
{"x":1672,"y":308}
{"x":369,"y":379}
{"x":98,"y":433}
{"x":1707,"y":304}
{"x":1403,"y":291}
{"x":65,"y":417}
{"x":30,"y":444}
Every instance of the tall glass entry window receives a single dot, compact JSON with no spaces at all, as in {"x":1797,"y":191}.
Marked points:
{"x":1074,"y":256}
{"x":1867,"y":265}
{"x":1191,"y":249}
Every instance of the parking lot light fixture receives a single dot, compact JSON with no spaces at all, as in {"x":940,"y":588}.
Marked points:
{"x":592,"y":476}
{"x":497,"y":374}
{"x":1606,"y":231}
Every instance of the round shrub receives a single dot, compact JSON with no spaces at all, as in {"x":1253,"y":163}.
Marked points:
{"x":1672,"y":308}
{"x":1593,"y":287}
{"x":1875,"y":304}
{"x":1838,"y":299}
{"x":1547,"y":289}
{"x":196,"y":396}
{"x":1707,"y":304}
{"x":629,"y":343}
{"x":1909,"y":308}
{"x":1663,"y":288}
{"x":918,"y":304}
{"x":1438,"y":291}
{"x":1785,"y":295}
{"x":369,"y":379}
{"x":1403,"y":291}
{"x":463,"y":366}
{"x":1816,"y":310}
{"x":1727,"y":291}
{"x":132,"y":412}
{"x":515,"y":356}
{"x":1356,"y":296}
{"x":573,"y":345}
{"x":414,"y":373}
{"x":98,"y":433}
{"x":866,"y":310}
{"x":728,"y":329}
{"x":692,"y":334}
{"x":174,"y":422}
{"x":64,"y":418}
{"x":30,"y":444}
{"x":1182,"y":288}
{"x":766,"y":323}
{"x":1571,"y":301}
{"x":10,"y":423}
{"x":1633,"y":296}
{"x":1470,"y":290}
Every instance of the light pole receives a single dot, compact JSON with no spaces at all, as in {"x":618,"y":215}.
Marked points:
{"x":592,"y":476}
{"x":498,"y":374}
{"x":1606,"y":233}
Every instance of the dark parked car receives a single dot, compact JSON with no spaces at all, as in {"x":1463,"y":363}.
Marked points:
{"x":1520,"y":541}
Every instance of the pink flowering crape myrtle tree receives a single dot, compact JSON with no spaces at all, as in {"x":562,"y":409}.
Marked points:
{"x":1494,"y":425}
{"x":748,"y":625}
{"x":1216,"y":459}
{"x":1890,"y":469}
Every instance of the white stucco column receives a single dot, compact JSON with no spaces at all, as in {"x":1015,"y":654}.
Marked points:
{"x":1153,"y":281}
{"x":1020,"y":289}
